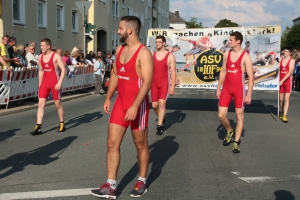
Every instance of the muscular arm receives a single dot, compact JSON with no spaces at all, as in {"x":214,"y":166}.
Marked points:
{"x":291,"y":69}
{"x":249,"y":70}
{"x":222,"y":75}
{"x":62,"y":67}
{"x":41,"y":72}
{"x":172,"y":67}
{"x":112,"y":86}
{"x":145,"y":72}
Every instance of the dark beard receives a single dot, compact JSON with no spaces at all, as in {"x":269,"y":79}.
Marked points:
{"x":123,"y":37}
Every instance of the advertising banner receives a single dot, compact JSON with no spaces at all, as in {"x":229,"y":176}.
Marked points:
{"x":199,"y":54}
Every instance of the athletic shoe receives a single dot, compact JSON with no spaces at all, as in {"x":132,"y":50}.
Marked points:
{"x":284,"y":119}
{"x":37,"y":130}
{"x":235,"y":147}
{"x":159,"y":130}
{"x":280,"y":115}
{"x":139,"y":189}
{"x":61,"y":128}
{"x":228,"y":137}
{"x":105,"y":191}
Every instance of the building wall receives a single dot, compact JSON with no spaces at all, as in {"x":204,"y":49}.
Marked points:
{"x":29,"y":29}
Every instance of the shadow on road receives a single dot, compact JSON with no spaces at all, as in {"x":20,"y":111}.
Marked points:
{"x":173,"y":117}
{"x":283,"y":195}
{"x":39,"y":156}
{"x":86,"y":118}
{"x":256,"y":106}
{"x":160,"y":152}
{"x":8,"y":134}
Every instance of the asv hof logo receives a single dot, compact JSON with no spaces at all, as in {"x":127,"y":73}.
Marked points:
{"x":209,"y":64}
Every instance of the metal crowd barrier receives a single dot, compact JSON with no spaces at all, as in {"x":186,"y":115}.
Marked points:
{"x":22,"y":84}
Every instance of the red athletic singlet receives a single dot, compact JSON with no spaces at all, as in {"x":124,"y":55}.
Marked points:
{"x":160,"y":82}
{"x":233,"y":85}
{"x":50,"y":79}
{"x":287,"y":85}
{"x":129,"y":84}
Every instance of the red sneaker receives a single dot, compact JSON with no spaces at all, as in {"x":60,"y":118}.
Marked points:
{"x":139,"y":190}
{"x":105,"y":191}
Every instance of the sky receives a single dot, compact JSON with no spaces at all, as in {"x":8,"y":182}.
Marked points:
{"x":243,"y":12}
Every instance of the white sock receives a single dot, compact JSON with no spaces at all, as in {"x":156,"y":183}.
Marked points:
{"x":142,"y":179}
{"x":113,"y":183}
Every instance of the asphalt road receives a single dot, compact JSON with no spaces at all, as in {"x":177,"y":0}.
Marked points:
{"x":187,"y":162}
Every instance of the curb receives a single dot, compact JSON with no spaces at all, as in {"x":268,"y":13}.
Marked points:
{"x":34,"y":106}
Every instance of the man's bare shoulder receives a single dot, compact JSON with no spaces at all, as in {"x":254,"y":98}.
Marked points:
{"x":145,"y":52}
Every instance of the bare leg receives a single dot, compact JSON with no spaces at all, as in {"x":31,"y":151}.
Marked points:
{"x":223,"y":118}
{"x":155,"y":107}
{"x":286,"y":103}
{"x":281,"y":96}
{"x":60,"y":110}
{"x":240,"y":123}
{"x":114,"y":139}
{"x":140,"y":138}
{"x":161,"y":111}
{"x":40,"y":111}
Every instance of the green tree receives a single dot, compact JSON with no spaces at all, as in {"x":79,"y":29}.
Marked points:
{"x":226,"y":23}
{"x":293,"y":37}
{"x":284,"y":37}
{"x":193,"y":23}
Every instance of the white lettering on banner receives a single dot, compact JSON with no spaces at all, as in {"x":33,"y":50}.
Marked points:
{"x":267,"y":85}
{"x":123,"y":77}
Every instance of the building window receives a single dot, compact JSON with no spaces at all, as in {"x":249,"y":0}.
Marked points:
{"x":142,"y":19}
{"x":42,"y":14}
{"x":130,"y":11}
{"x":115,"y":8}
{"x":115,"y":40}
{"x":60,"y":16}
{"x":150,"y":3}
{"x":18,"y":11}
{"x":103,"y":1}
{"x":74,"y":21}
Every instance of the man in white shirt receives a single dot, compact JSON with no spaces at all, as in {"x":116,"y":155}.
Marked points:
{"x":31,"y":58}
{"x":98,"y":68}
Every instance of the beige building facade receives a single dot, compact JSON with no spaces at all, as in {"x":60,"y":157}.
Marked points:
{"x":62,"y":21}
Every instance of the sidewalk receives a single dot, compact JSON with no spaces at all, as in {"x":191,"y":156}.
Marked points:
{"x":29,"y":104}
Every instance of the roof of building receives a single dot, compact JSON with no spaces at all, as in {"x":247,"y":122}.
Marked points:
{"x":296,"y":19}
{"x":173,"y":17}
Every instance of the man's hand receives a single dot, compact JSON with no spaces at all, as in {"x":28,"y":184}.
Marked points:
{"x":218,"y":93}
{"x":172,"y":91}
{"x":280,"y":83}
{"x":58,"y":86}
{"x":131,"y":114}
{"x":247,"y":100}
{"x":106,"y":106}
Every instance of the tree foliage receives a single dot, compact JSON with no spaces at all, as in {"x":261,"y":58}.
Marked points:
{"x":292,"y":37}
{"x":193,"y":23}
{"x":226,"y":23}
{"x":284,"y":37}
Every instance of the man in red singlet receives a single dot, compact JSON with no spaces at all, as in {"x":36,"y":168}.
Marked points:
{"x":232,"y":79}
{"x":132,"y":76}
{"x":164,"y":64}
{"x":285,"y":83}
{"x":49,"y":80}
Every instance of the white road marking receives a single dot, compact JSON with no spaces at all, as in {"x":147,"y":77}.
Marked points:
{"x":257,"y":179}
{"x":46,"y":194}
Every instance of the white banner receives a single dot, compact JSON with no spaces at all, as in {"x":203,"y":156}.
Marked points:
{"x":199,"y":54}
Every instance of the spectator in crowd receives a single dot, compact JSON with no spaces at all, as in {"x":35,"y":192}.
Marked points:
{"x":99,"y":53}
{"x":108,"y":59}
{"x":75,"y":58}
{"x":10,"y":48}
{"x":25,"y":50}
{"x":4,"y":64}
{"x":296,"y":74}
{"x":59,"y":51}
{"x":98,"y":68}
{"x":4,"y":52}
{"x":88,"y":61}
{"x":66,"y":58}
{"x":113,"y":58}
{"x":31,"y":58}
{"x":19,"y":52}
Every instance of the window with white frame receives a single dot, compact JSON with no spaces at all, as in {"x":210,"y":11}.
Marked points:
{"x":159,"y":8}
{"x":130,"y":11}
{"x":115,"y":8}
{"x":103,"y":1}
{"x":60,"y":17}
{"x":42,"y":13}
{"x":135,"y":13}
{"x":115,"y":40}
{"x":75,"y":21}
{"x":150,"y":3}
{"x":18,"y":11}
{"x":146,"y":12}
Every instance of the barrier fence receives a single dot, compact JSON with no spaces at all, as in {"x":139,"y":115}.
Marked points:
{"x":22,"y":84}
